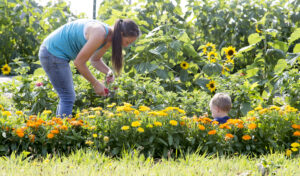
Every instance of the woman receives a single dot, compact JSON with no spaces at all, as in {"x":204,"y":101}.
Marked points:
{"x":80,"y":41}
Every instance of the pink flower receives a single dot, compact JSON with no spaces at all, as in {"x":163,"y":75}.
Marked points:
{"x":106,"y":91}
{"x":39,"y":84}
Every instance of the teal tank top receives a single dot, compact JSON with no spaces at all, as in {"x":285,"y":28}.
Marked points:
{"x":67,"y":41}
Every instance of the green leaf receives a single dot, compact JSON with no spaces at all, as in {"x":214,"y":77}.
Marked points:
{"x":208,"y":69}
{"x":297,"y":48}
{"x":246,"y":49}
{"x":245,"y":107}
{"x":162,"y":141}
{"x":254,"y":38}
{"x":155,"y":52}
{"x":170,"y":139}
{"x":184,"y":37}
{"x":294,"y":36}
{"x":201,"y":82}
{"x":189,"y":50}
{"x":183,"y":75}
{"x":279,"y":45}
{"x":175,"y":45}
{"x":163,"y":74}
{"x":280,"y":66}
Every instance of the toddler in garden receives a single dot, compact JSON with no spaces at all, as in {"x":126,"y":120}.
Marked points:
{"x":220,"y":106}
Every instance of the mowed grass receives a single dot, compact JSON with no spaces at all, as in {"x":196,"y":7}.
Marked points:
{"x":93,"y":163}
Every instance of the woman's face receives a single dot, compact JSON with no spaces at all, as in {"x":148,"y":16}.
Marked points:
{"x":127,"y":41}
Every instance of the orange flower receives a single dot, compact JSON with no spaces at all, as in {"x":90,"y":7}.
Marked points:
{"x":296,"y":133}
{"x":215,"y":123}
{"x":63,"y":127}
{"x":246,"y":137}
{"x":55,"y":131}
{"x":21,"y":134}
{"x":228,"y":136}
{"x":32,"y":138}
{"x":76,"y":123}
{"x":212,"y":132}
{"x":201,"y":127}
{"x":240,"y":126}
{"x":50,"y":136}
{"x":182,"y":123}
{"x":252,"y":126}
{"x":295,"y":126}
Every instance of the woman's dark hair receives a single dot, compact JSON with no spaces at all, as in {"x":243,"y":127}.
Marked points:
{"x":129,"y":29}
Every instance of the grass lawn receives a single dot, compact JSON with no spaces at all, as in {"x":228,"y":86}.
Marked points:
{"x":94,"y":163}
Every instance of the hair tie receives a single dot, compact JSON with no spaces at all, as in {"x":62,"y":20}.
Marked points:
{"x":121,"y":20}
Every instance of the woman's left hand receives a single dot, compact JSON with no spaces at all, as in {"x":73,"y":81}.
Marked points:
{"x":110,"y":77}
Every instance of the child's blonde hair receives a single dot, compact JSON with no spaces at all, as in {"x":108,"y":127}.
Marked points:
{"x":221,"y":101}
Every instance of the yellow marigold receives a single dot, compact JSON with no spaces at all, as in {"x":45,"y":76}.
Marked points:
{"x":127,"y":104}
{"x":258,"y":108}
{"x":136,"y":112}
{"x":294,"y":149}
{"x":144,"y":108}
{"x":6,"y":113}
{"x":173,"y":122}
{"x":95,"y":135}
{"x":120,"y":108}
{"x":140,"y":129}
{"x":246,"y":137}
{"x":19,"y":112}
{"x":1,"y":108}
{"x":91,"y":116}
{"x":157,"y":123}
{"x":97,"y":109}
{"x":111,"y":105}
{"x":149,"y":126}
{"x":135,"y":124}
{"x":105,"y":138}
{"x":252,"y":126}
{"x":124,"y":128}
{"x":263,"y":111}
{"x":31,"y":138}
{"x":295,"y":145}
{"x":50,"y":136}
{"x":212,"y":132}
{"x":47,"y":112}
{"x":89,"y":142}
{"x":215,"y":122}
{"x":274,"y":108}
{"x":201,"y":127}
{"x":296,"y":133}
{"x":288,"y":152}
{"x":229,"y":136}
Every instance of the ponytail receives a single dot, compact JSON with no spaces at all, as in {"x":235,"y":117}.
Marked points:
{"x":129,"y":29}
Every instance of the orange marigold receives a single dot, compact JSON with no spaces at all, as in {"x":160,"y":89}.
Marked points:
{"x":55,"y":131}
{"x":212,"y":132}
{"x":240,"y":126}
{"x":63,"y":127}
{"x":21,"y":134}
{"x":201,"y":127}
{"x":50,"y":136}
{"x":31,"y":138}
{"x":252,"y":126}
{"x":246,"y":137}
{"x":229,"y":136}
{"x":296,"y":133}
{"x":295,"y":126}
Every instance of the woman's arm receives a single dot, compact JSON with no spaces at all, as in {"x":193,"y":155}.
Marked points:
{"x":95,"y":39}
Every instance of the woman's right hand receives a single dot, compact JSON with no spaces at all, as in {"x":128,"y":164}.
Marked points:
{"x":100,"y":89}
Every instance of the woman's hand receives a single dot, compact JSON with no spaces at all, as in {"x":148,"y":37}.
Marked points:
{"x":110,"y":77}
{"x":100,"y":89}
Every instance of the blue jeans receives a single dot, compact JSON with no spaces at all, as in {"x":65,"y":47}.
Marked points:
{"x":60,"y":75}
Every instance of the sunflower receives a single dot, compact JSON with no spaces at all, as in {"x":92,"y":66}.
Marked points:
{"x":211,"y":86}
{"x":230,"y":51}
{"x":229,"y":60}
{"x":6,"y":69}
{"x":209,"y":47}
{"x":212,"y":56}
{"x":184,"y":65}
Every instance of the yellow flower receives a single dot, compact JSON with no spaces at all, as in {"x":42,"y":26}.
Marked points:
{"x":124,"y":128}
{"x":47,"y":112}
{"x":258,"y":108}
{"x":6,"y":113}
{"x":294,"y":149}
{"x":136,"y":112}
{"x":209,"y":47}
{"x":127,"y":104}
{"x":173,"y":122}
{"x":149,"y":126}
{"x":111,"y":105}
{"x":1,"y":108}
{"x":97,"y":109}
{"x":106,"y":138}
{"x":184,"y":65}
{"x":211,"y":86}
{"x":144,"y":108}
{"x":256,"y":28}
{"x":246,"y":137}
{"x":95,"y":135}
{"x":140,"y":129}
{"x":212,"y":56}
{"x":91,"y":116}
{"x":19,"y":112}
{"x":229,"y":60}
{"x":295,"y":145}
{"x":89,"y":142}
{"x":157,"y":124}
{"x":201,"y":127}
{"x":230,"y":51}
{"x":135,"y":124}
{"x":252,"y":126}
{"x":6,"y":69}
{"x":288,"y":152}
{"x":212,"y":132}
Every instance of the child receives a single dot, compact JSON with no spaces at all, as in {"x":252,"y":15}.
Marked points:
{"x":220,"y":106}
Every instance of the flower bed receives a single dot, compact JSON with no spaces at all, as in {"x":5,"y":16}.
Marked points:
{"x":163,"y":133}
